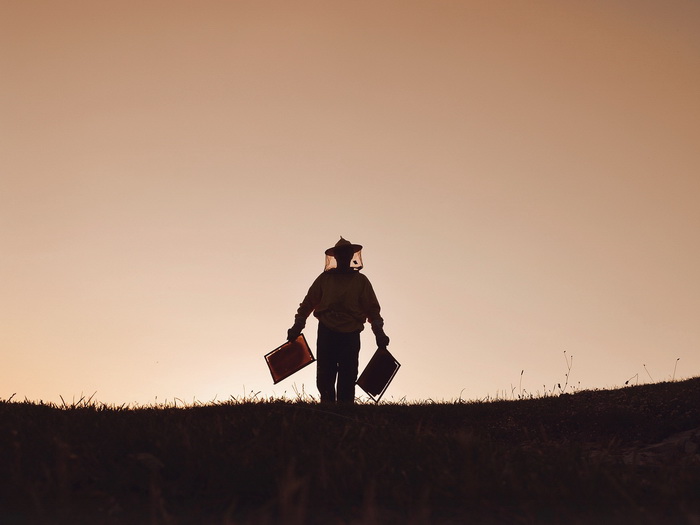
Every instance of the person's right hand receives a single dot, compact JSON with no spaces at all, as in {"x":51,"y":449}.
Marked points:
{"x":382,"y":340}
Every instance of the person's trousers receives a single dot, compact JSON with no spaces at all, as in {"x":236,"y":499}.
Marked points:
{"x":337,"y":358}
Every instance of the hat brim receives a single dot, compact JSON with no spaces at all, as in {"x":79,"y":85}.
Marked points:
{"x":355,"y":248}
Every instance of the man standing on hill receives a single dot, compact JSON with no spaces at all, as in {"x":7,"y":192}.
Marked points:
{"x":342,"y":299}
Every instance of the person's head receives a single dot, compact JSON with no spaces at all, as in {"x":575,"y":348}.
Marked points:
{"x":344,"y":255}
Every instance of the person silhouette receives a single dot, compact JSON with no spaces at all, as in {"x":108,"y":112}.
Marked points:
{"x":342,"y":299}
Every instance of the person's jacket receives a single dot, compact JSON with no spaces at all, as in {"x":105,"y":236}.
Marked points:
{"x":342,"y":301}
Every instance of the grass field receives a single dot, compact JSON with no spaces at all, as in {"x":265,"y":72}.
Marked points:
{"x":615,"y":456}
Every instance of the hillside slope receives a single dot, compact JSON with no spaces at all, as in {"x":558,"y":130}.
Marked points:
{"x":616,"y":456}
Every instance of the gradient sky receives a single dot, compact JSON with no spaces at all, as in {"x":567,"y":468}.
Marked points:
{"x":524,"y":177}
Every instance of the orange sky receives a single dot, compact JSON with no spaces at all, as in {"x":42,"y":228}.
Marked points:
{"x":524,"y":178}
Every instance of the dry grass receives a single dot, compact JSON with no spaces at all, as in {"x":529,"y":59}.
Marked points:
{"x":617,"y":456}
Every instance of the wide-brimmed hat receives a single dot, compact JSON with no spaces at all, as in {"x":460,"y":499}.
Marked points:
{"x":341,"y":244}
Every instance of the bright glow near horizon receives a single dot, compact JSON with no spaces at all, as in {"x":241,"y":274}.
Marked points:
{"x":525,"y":181}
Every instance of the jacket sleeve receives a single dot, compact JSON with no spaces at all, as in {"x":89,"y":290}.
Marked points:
{"x":313,"y":297}
{"x":370,"y":304}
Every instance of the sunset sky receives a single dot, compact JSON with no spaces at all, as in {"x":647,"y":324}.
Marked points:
{"x":524,"y":177}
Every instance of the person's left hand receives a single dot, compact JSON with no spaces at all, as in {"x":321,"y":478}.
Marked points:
{"x":293,"y":333}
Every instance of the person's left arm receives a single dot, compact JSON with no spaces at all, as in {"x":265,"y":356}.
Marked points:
{"x":313,"y":297}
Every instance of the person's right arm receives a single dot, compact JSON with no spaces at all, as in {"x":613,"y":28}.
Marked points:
{"x":372,"y":310}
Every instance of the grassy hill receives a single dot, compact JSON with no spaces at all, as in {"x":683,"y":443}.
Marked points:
{"x":615,"y":456}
